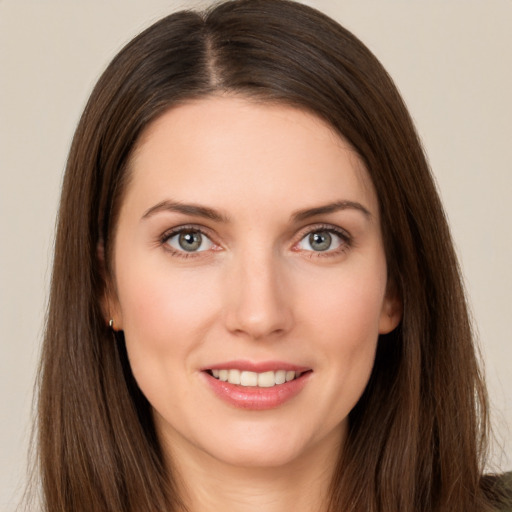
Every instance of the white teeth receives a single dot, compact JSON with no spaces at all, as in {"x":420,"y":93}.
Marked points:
{"x":262,"y":380}
{"x":234,"y":376}
{"x":290,"y":375}
{"x":249,"y":379}
{"x":280,"y":376}
{"x":266,"y":379}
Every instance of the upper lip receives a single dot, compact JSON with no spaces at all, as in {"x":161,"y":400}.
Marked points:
{"x":257,"y":367}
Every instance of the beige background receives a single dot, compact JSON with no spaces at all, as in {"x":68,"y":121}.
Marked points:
{"x":451,"y":59}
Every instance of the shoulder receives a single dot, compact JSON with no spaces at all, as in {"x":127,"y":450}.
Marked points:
{"x":507,"y":487}
{"x":499,"y":490}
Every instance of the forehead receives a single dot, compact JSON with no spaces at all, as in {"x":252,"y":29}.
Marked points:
{"x":227,"y":149}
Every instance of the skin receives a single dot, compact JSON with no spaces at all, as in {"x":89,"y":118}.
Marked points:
{"x":256,"y":290}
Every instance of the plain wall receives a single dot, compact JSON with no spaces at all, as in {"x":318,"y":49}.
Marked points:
{"x":451,"y":59}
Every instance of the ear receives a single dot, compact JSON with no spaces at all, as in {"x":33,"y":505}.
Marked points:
{"x":108,"y":301}
{"x":392,"y":310}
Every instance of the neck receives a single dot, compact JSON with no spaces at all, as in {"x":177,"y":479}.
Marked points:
{"x":302,"y":485}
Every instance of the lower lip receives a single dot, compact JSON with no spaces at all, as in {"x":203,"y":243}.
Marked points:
{"x":256,"y":398}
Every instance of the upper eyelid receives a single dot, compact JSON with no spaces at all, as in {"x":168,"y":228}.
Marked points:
{"x":323,"y":227}
{"x":168,"y":233}
{"x":305,"y":229}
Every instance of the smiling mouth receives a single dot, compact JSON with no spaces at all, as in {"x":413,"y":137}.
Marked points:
{"x":253,"y":379}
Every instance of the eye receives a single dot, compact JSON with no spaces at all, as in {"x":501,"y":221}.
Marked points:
{"x":323,"y":240}
{"x":189,"y":240}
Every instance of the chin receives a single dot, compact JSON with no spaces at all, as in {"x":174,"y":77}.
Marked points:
{"x":270,"y":446}
{"x":254,"y":455}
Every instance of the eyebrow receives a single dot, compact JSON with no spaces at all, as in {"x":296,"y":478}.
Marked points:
{"x":336,"y":206}
{"x":211,"y":214}
{"x":186,"y":209}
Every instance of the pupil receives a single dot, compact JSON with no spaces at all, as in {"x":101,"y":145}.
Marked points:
{"x":320,"y":241}
{"x":190,"y":241}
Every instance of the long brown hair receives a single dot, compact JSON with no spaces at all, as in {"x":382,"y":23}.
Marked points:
{"x":417,"y":436}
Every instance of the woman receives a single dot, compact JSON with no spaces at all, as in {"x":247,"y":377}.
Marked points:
{"x":255,"y":300}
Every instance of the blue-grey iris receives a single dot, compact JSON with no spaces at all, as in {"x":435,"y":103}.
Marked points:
{"x":320,"y":241}
{"x":190,"y":241}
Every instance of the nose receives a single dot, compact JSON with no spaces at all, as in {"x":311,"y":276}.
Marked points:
{"x":259,"y":300}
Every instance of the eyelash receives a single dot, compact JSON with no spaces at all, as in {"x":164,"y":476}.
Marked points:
{"x":346,"y":239}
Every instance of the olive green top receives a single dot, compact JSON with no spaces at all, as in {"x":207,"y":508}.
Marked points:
{"x":503,"y":486}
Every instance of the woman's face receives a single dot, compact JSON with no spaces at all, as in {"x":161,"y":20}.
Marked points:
{"x":249,"y":248}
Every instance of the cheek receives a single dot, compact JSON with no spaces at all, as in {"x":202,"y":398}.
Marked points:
{"x":343,"y":314}
{"x":165,"y":313}
{"x":350,"y":325}
{"x":348,"y":303}
{"x":340,"y":314}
